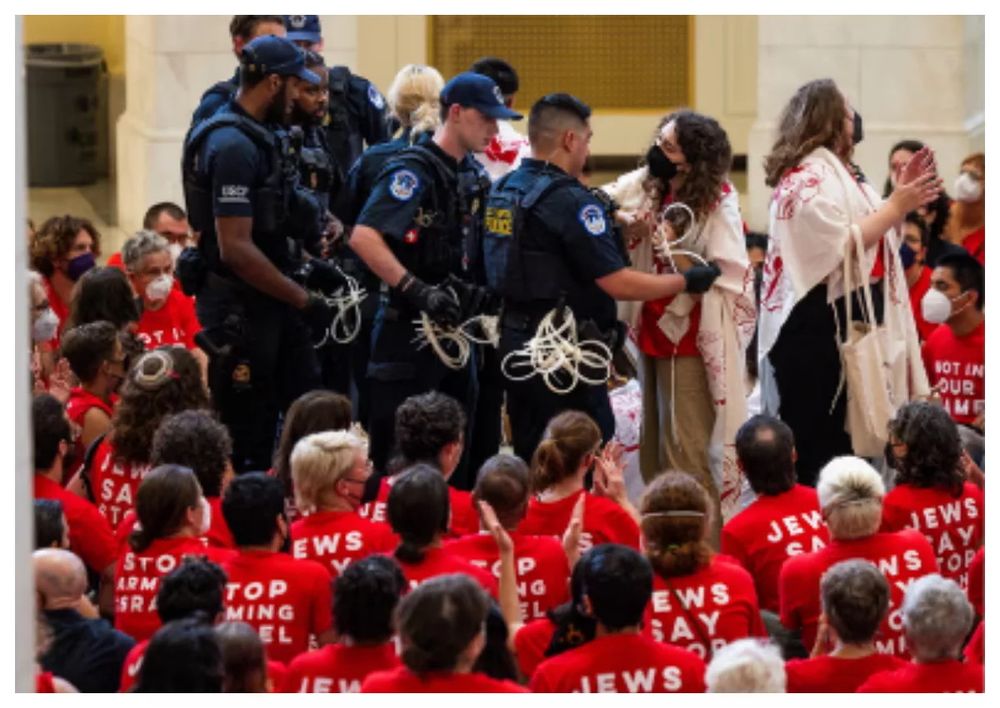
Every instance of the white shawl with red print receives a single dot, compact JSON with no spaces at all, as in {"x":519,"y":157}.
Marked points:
{"x":812,"y":211}
{"x":728,"y":313}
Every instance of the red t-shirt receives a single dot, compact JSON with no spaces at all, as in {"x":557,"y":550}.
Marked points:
{"x":285,"y":599}
{"x":337,"y":668}
{"x":174,"y":323}
{"x":975,"y":650}
{"x":439,"y":561}
{"x":977,"y":582}
{"x":917,"y":292}
{"x":959,"y":367}
{"x":975,"y":244}
{"x":137,"y":580}
{"x":60,"y":308}
{"x":541,"y":565}
{"x":940,"y":677}
{"x":530,"y":643}
{"x":338,"y":538}
{"x":44,"y":682}
{"x":828,"y":674}
{"x":218,"y":535}
{"x":114,"y":483}
{"x":603,"y":520}
{"x":464,"y":517}
{"x":402,"y":680}
{"x":131,"y":666}
{"x":621,"y":663}
{"x":720,"y":597}
{"x":90,"y":535}
{"x":80,"y":401}
{"x":953,"y":525}
{"x":772,"y":528}
{"x":902,"y":557}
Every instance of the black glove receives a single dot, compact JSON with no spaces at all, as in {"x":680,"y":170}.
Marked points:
{"x":699,"y":278}
{"x":473,"y":299}
{"x":317,"y":314}
{"x":438,"y":303}
{"x":322,"y":275}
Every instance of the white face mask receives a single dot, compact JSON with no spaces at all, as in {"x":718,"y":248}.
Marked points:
{"x":159,"y":288}
{"x":206,"y":517}
{"x":45,"y":326}
{"x":936,"y":306}
{"x":968,"y":188}
{"x":175,"y":250}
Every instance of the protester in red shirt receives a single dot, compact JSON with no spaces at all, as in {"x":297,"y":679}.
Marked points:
{"x":285,"y":599}
{"x":955,"y":353}
{"x":937,"y":618}
{"x":746,"y":666}
{"x":364,"y":598}
{"x":542,"y":567}
{"x":932,"y":494}
{"x":440,"y":626}
{"x":312,"y":412}
{"x":90,"y":535}
{"x":172,"y":517}
{"x":913,"y":256}
{"x":194,"y":589}
{"x":850,"y":495}
{"x":97,"y":358}
{"x":162,"y":382}
{"x":784,"y":520}
{"x":567,"y":451}
{"x":855,"y":600}
{"x":419,"y":511}
{"x":429,"y":428}
{"x":618,"y":582}
{"x":169,"y":221}
{"x":700,"y":601}
{"x":329,"y":470}
{"x":182,"y":657}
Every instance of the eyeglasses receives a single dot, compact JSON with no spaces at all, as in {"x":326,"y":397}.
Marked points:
{"x":356,"y":481}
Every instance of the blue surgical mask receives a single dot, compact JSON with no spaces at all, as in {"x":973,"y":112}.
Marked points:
{"x":907,"y":255}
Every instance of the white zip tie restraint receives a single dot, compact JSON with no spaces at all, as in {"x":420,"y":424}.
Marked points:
{"x":458,"y":340}
{"x":665,"y":248}
{"x":556,"y":349}
{"x":346,"y":323}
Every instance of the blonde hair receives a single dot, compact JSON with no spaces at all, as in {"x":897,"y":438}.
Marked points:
{"x":850,"y":494}
{"x":414,"y":98}
{"x":319,"y":461}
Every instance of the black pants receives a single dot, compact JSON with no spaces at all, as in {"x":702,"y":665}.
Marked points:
{"x":531,"y":404}
{"x":268,"y":367}
{"x":807,"y":371}
{"x":486,"y":427}
{"x":397,"y":370}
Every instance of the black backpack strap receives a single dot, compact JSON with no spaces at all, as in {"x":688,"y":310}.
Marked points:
{"x":88,"y":461}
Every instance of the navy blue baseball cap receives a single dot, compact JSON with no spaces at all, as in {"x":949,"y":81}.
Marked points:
{"x":303,"y":28}
{"x":276,"y":55}
{"x":480,"y":92}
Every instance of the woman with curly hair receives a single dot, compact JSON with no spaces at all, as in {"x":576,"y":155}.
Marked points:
{"x":163,"y":381}
{"x":821,"y":207}
{"x":693,"y":347}
{"x":932,"y":494}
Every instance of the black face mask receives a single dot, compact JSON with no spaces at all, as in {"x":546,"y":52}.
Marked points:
{"x":659,"y":166}
{"x":859,"y":131}
{"x":890,"y":459}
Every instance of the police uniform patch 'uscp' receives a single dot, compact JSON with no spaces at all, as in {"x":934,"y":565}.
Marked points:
{"x":592,"y":219}
{"x":403,"y":184}
{"x":375,"y":97}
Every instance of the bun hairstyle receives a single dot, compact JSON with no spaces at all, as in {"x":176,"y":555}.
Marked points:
{"x":438,"y":620}
{"x":569,"y":437}
{"x":676,"y":512}
{"x":414,"y":98}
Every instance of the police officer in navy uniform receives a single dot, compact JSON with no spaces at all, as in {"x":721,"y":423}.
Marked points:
{"x":242,"y":30}
{"x":549,"y":241}
{"x":357,"y":109}
{"x":256,"y":319}
{"x":414,"y":232}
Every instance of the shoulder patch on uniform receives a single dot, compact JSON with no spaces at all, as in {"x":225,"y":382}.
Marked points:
{"x":375,"y":97}
{"x":404,"y":183}
{"x":592,"y":218}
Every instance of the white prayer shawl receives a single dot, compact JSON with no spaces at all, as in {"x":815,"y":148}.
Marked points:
{"x":728,"y":315}
{"x":812,"y":212}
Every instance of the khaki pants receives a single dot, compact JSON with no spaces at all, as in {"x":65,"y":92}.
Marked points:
{"x":694,"y":416}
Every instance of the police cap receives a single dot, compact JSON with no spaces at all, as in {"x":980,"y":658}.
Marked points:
{"x":477,"y":91}
{"x":276,"y":55}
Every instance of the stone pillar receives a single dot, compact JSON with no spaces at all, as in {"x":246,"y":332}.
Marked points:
{"x":910,"y":77}
{"x":169,"y":62}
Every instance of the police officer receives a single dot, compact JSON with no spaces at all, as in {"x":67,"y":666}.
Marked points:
{"x":242,"y":30}
{"x":357,"y":109}
{"x":413,"y":234}
{"x":548,"y":241}
{"x":256,"y":318}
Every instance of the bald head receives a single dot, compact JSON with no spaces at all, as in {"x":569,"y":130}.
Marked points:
{"x":60,"y":577}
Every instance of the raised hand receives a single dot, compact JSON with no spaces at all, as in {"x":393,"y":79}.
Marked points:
{"x":573,"y":532}
{"x":504,"y":543}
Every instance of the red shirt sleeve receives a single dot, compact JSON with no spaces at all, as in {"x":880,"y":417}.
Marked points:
{"x":90,"y":537}
{"x":189,"y":321}
{"x":790,"y":590}
{"x":321,"y":618}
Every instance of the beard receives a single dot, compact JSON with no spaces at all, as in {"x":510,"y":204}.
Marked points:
{"x":277,"y":111}
{"x":304,"y":118}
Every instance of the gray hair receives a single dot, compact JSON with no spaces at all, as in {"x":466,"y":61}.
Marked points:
{"x":936,"y":618}
{"x":746,"y":666}
{"x":142,"y":244}
{"x":850,"y":494}
{"x":855,"y":598}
